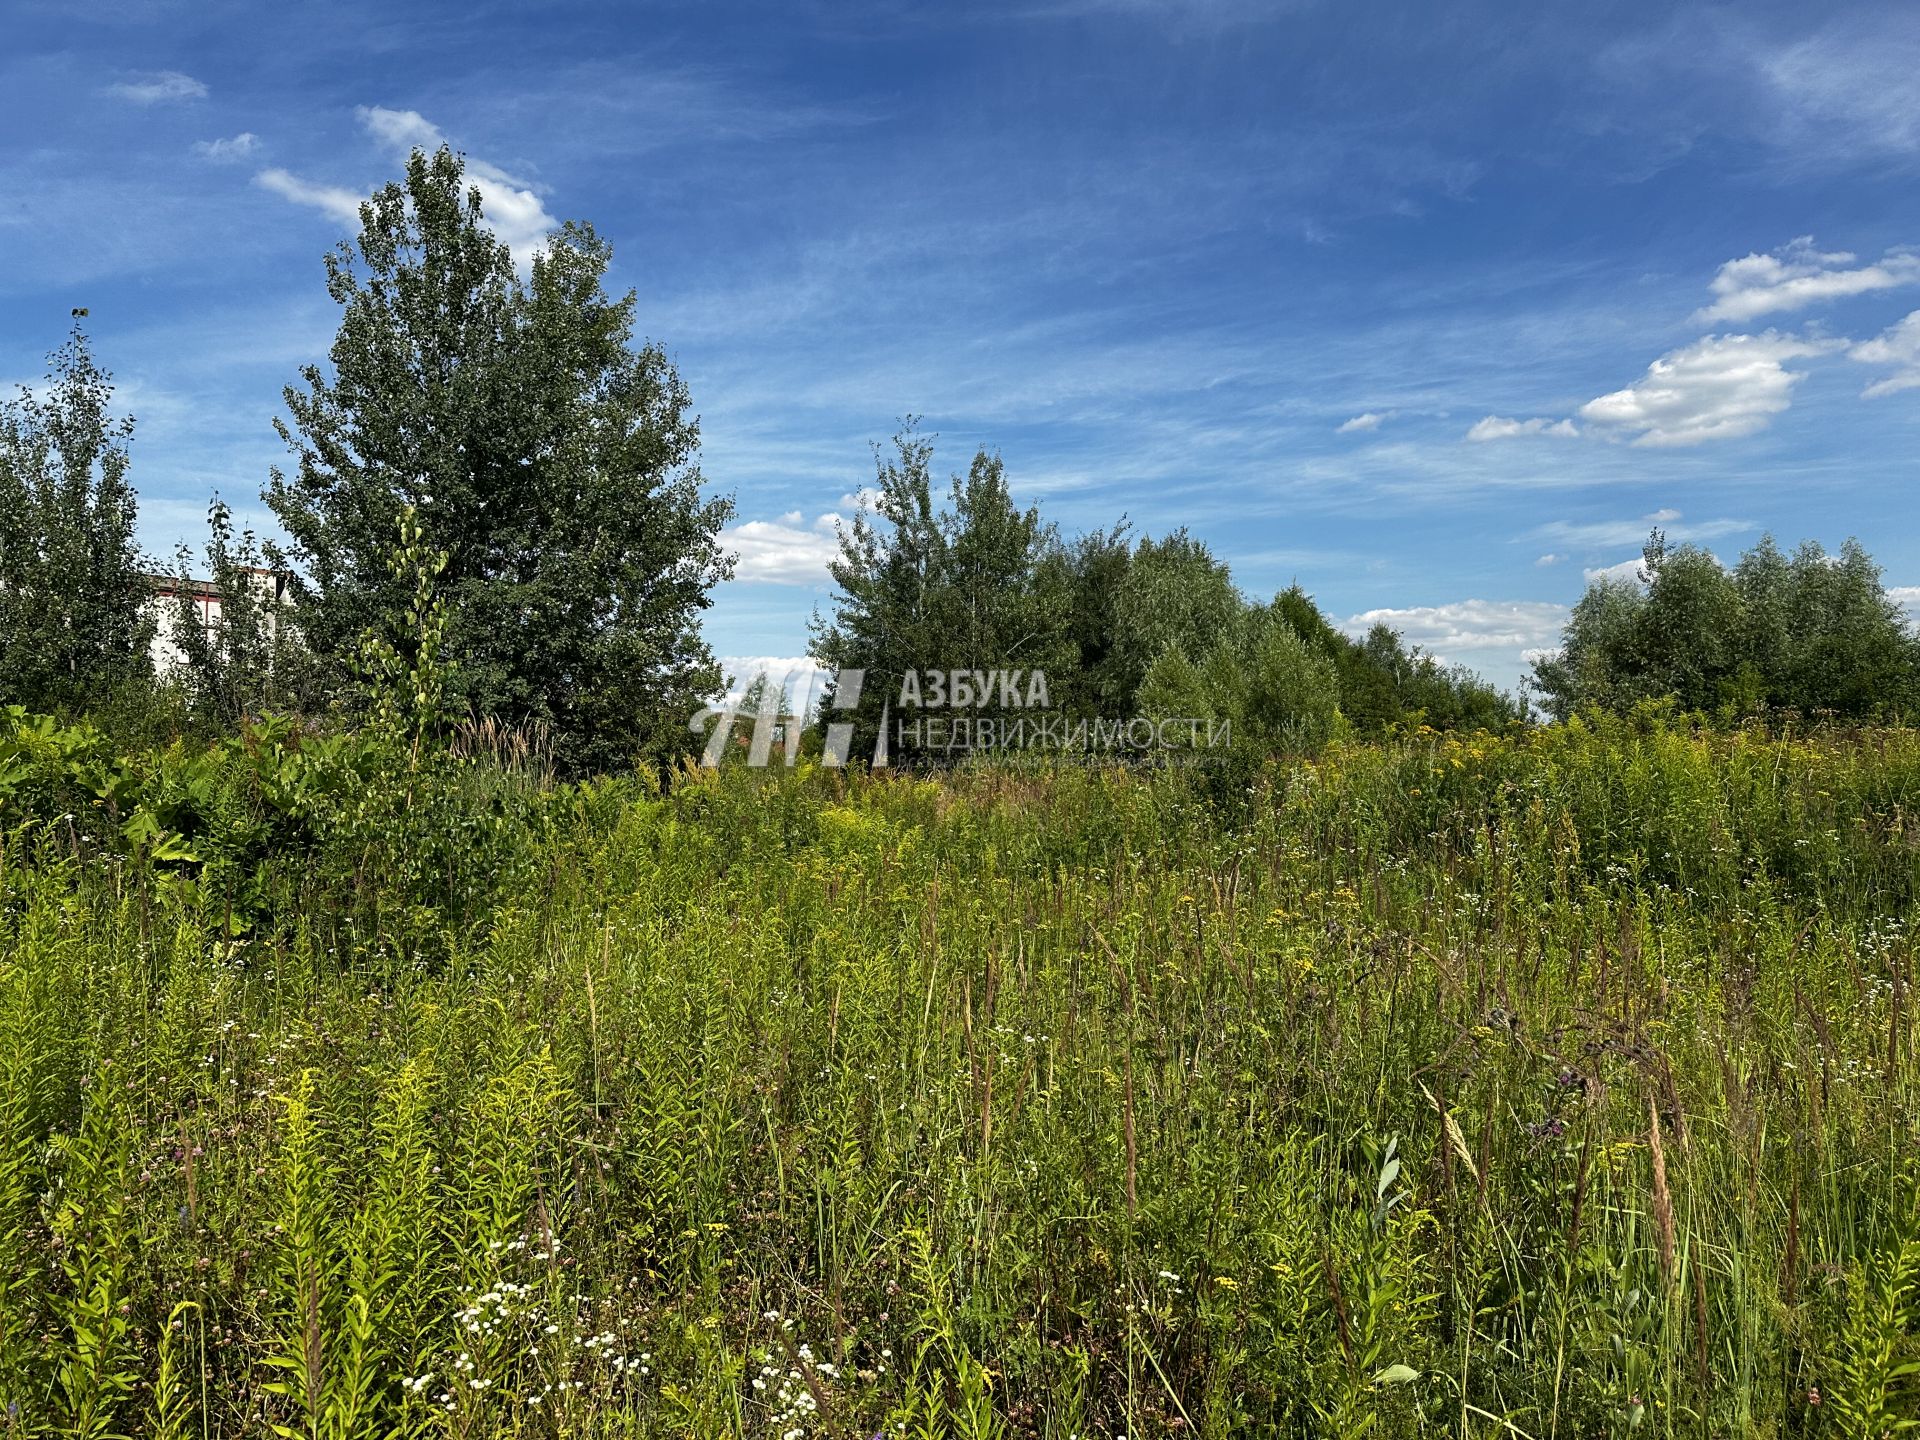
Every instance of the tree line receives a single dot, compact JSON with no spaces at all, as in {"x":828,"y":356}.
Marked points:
{"x":1811,"y":634}
{"x":1122,"y":625}
{"x":549,"y":463}
{"x":548,"y":460}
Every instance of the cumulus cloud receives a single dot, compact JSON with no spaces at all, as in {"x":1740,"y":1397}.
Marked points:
{"x":1898,"y":345}
{"x":331,"y":200}
{"x":155,"y":87}
{"x":1369,"y":421}
{"x":1907,"y":597}
{"x":1549,"y":559}
{"x":801,"y":680}
{"x":226,"y":151}
{"x":1468,"y":624}
{"x":514,"y":211}
{"x":1718,"y":388}
{"x":1631,"y":571}
{"x":1499,"y":427}
{"x":1797,"y":276}
{"x":784,"y":551}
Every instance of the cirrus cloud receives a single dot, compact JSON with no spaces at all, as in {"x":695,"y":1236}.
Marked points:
{"x":1595,"y":534}
{"x":156,"y":87}
{"x":1500,"y":427}
{"x":226,"y":151}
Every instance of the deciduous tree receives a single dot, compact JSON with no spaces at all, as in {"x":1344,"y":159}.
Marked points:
{"x":551,"y":458}
{"x":72,"y":627}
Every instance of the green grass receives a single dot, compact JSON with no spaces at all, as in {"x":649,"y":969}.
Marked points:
{"x":1555,"y":1085}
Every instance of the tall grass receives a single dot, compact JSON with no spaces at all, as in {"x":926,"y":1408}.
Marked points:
{"x":1553,"y":1085}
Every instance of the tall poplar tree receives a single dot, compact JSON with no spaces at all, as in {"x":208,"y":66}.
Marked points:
{"x":72,"y":627}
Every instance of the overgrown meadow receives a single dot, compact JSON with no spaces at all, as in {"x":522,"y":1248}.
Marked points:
{"x":1553,"y":1084}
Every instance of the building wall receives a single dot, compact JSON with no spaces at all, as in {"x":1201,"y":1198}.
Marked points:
{"x":164,"y":607}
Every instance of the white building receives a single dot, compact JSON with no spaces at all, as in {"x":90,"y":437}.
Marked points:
{"x":164,"y":609}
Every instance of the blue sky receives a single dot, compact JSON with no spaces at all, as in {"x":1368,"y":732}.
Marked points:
{"x":1432,"y":309}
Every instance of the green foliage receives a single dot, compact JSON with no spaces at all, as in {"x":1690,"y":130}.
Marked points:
{"x":552,"y":462}
{"x":1877,"y":1360}
{"x":963,"y":586}
{"x":1560,"y":1082}
{"x":71,"y":589}
{"x":1173,"y":595}
{"x":251,"y":661}
{"x":1814,"y":634}
{"x":1384,"y":687}
{"x":411,"y":841}
{"x":1259,"y":676}
{"x":1122,"y":628}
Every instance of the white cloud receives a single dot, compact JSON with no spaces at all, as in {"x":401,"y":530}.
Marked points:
{"x":513,"y":210}
{"x":331,"y":200}
{"x":1629,"y":570}
{"x":1718,"y":388}
{"x":1907,"y":597}
{"x":226,"y":151}
{"x":784,"y":552}
{"x":1549,"y":559}
{"x":1897,"y":345}
{"x":401,"y":130}
{"x":1594,"y":534}
{"x":1852,"y":85}
{"x":800,"y":679}
{"x":1499,"y":427}
{"x":153,"y":87}
{"x":1797,"y":276}
{"x":1468,"y":624}
{"x":1369,"y":421}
